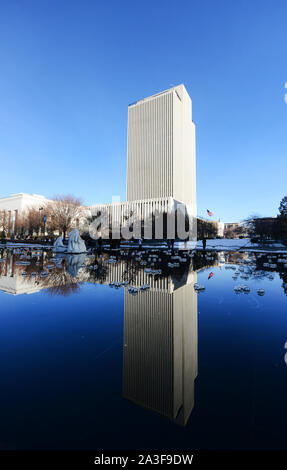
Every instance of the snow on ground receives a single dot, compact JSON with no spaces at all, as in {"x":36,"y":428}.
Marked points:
{"x":219,"y":244}
{"x":226,"y":243}
{"x":232,"y":244}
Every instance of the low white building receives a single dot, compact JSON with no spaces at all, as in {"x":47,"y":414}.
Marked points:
{"x":14,"y":205}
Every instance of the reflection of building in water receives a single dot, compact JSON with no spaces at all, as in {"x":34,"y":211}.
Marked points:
{"x":13,"y":283}
{"x":60,"y":278}
{"x":17,"y":285}
{"x":160,"y":350}
{"x":160,"y":336}
{"x":128,"y":271}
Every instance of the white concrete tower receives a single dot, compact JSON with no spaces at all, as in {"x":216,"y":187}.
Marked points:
{"x":161,"y":148}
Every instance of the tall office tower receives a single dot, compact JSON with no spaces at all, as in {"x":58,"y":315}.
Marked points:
{"x":161,"y":148}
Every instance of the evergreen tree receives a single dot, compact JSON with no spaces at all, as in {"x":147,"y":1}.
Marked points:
{"x":281,"y":222}
{"x":283,"y":207}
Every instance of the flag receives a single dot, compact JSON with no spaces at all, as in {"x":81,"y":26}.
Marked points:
{"x":210,"y":275}
{"x":209,"y":213}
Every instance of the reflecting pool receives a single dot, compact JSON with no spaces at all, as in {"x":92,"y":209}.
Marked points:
{"x":143,"y":350}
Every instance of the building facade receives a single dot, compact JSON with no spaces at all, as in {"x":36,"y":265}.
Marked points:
{"x":161,"y":148}
{"x":161,"y":164}
{"x":13,"y":206}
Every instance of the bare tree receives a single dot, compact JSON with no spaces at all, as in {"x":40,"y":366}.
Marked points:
{"x":237,"y":230}
{"x":260,"y":227}
{"x":22,"y":225}
{"x":31,"y":221}
{"x":206,"y":229}
{"x":64,"y":212}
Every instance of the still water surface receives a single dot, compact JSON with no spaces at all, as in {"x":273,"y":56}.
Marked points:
{"x":87,"y":365}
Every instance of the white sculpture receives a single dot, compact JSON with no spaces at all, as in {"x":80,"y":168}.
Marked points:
{"x":59,"y":246}
{"x":76,"y":244}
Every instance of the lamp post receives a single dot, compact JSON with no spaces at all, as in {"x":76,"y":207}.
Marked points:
{"x":44,"y":229}
{"x":40,"y":209}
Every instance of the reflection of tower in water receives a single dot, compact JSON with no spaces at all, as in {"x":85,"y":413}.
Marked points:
{"x":160,"y":350}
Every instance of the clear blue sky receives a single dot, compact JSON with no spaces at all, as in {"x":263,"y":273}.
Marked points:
{"x":69,"y":69}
